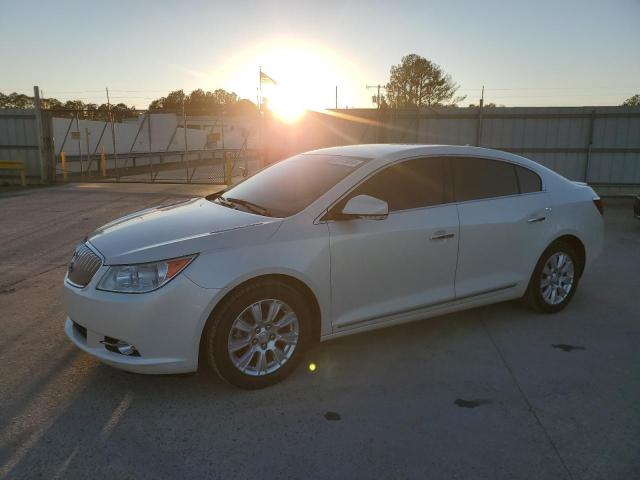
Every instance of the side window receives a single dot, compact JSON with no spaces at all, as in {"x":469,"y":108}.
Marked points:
{"x":528,"y":181}
{"x":476,"y":178}
{"x":410,"y":184}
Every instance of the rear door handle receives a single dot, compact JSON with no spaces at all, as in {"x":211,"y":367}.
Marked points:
{"x":442,"y":235}
{"x":540,"y":218}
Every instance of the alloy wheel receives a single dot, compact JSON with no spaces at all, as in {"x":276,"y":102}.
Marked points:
{"x":557,"y":278}
{"x":263,"y":337}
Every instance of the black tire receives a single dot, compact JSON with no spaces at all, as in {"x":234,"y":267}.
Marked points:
{"x":217,"y":330}
{"x":534,"y":297}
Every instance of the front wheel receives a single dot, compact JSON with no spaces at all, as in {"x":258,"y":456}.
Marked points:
{"x":554,"y":280}
{"x":258,"y":335}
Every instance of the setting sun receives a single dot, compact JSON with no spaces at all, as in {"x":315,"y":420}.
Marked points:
{"x":287,"y":108}
{"x":287,"y":102}
{"x":306,"y":76}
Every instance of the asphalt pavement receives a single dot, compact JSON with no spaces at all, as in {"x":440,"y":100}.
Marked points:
{"x":496,"y":392}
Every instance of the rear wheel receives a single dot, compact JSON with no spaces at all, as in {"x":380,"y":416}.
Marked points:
{"x":258,"y":335}
{"x":554,"y":280}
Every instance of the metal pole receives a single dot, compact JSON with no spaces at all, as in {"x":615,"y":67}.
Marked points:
{"x":224,"y":151}
{"x":113,"y":136}
{"x":40,"y":127}
{"x":150,"y":149}
{"x":186,"y":147}
{"x":89,"y":159}
{"x":592,"y":121}
{"x":79,"y":143}
{"x":336,"y":97}
{"x":479,"y":126}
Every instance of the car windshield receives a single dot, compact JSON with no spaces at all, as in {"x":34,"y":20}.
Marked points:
{"x":289,"y":186}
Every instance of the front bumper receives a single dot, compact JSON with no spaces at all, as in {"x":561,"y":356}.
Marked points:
{"x":164,"y":326}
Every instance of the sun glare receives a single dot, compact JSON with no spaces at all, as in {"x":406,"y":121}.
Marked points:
{"x":306,"y":75}
{"x":287,"y":106}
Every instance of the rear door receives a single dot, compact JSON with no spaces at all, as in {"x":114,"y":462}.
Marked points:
{"x":403,"y":262}
{"x":503,"y":221}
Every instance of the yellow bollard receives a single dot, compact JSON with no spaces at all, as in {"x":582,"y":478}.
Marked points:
{"x":227,"y":168}
{"x":63,"y":161}
{"x":103,"y":162}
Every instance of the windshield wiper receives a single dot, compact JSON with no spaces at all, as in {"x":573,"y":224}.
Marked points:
{"x":217,"y":197}
{"x":252,"y":207}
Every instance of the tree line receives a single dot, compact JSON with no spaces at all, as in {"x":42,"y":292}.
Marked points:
{"x":68,"y":108}
{"x":203,"y":103}
{"x":413,"y":83}
{"x":198,"y":102}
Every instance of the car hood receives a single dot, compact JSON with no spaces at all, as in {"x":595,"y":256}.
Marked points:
{"x":181,"y":228}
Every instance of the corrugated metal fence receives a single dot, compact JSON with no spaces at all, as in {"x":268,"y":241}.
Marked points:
{"x":19,"y":139}
{"x":25,"y":136}
{"x":600,"y":145}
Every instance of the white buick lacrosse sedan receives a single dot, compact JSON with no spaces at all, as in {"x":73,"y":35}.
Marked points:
{"x":324,"y":244}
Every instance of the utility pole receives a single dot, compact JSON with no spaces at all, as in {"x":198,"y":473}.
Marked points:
{"x":336,"y":97}
{"x":378,"y":97}
{"x":378,"y":87}
{"x":479,"y":126}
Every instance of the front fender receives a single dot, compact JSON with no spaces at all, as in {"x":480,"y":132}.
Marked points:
{"x":305,"y":258}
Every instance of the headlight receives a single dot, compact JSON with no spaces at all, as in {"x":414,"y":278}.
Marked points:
{"x":143,"y":277}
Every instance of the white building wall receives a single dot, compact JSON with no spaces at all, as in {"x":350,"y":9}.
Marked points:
{"x":163,"y":126}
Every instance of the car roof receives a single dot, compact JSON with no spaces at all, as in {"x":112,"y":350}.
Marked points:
{"x":395,"y":150}
{"x":377,"y":150}
{"x":371,"y":150}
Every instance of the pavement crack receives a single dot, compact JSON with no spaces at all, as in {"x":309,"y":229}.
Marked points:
{"x":526,"y":399}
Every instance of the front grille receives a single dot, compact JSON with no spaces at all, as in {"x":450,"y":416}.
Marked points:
{"x":83,"y":266}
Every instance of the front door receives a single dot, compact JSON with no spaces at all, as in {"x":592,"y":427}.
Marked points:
{"x":400,"y":263}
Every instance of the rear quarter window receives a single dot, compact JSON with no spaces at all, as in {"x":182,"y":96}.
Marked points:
{"x":528,"y":180}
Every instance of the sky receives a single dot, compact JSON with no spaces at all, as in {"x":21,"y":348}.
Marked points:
{"x":525,"y":53}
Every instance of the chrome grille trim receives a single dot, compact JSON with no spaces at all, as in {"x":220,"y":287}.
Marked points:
{"x":83,"y":266}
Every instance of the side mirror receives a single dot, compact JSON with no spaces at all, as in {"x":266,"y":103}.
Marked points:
{"x":364,"y":206}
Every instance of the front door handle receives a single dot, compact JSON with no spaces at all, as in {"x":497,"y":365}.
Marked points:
{"x":442,"y":235}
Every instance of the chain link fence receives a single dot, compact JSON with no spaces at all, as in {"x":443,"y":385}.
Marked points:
{"x":150,"y":146}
